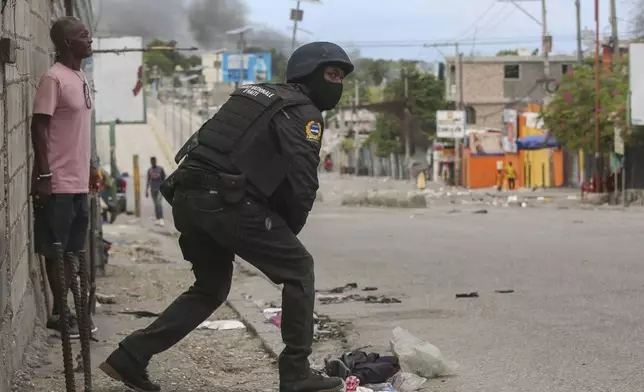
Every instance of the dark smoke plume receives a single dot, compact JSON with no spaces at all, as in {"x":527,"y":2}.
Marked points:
{"x":193,"y":22}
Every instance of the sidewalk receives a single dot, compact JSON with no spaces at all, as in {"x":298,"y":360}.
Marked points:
{"x":145,"y":273}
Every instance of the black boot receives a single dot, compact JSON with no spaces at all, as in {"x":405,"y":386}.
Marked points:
{"x":313,"y":383}
{"x":123,"y":368}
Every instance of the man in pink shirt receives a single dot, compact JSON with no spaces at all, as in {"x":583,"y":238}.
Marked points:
{"x":62,"y":174}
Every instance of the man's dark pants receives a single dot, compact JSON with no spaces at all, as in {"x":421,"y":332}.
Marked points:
{"x":158,"y":203}
{"x":64,"y":218}
{"x":212,"y":233}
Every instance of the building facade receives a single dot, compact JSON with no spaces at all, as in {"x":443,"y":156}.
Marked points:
{"x":492,"y":83}
{"x":23,"y":289}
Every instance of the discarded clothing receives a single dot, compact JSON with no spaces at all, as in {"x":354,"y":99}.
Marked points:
{"x":369,"y":368}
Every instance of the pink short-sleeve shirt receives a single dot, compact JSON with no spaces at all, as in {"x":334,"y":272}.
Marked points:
{"x":62,"y":96}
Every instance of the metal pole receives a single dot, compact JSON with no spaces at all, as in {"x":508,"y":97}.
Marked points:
{"x":544,"y":25}
{"x":407,"y":126}
{"x":461,"y":106}
{"x":613,"y":24}
{"x":240,"y":46}
{"x":113,"y":162}
{"x":297,"y":12}
{"x":598,"y":170}
{"x":174,"y":112}
{"x":137,"y":186}
{"x":356,"y":139}
{"x":580,"y":54}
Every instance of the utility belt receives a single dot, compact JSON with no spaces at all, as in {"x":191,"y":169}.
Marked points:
{"x":232,"y":188}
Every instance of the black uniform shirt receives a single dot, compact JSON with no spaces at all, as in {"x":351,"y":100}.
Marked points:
{"x":298,"y":134}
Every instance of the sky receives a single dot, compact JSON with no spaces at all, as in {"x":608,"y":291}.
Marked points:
{"x":397,"y":29}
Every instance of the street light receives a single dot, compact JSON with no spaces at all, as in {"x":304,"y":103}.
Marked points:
{"x":296,"y":16}
{"x":240,"y":45}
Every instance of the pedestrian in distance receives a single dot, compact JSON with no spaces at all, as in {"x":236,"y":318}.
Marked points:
{"x":245,"y":184}
{"x":62,"y":174}
{"x":156,"y":177}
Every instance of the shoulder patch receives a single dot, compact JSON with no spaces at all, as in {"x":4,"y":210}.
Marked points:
{"x":314,"y":131}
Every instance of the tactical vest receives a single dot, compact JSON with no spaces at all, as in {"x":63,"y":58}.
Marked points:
{"x":237,"y":138}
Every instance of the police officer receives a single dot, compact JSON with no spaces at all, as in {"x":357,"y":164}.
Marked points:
{"x":245,"y":185}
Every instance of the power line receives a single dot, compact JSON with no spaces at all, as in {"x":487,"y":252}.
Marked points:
{"x":493,"y":20}
{"x":475,"y":23}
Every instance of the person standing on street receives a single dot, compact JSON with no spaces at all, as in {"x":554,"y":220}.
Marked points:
{"x":245,"y":185}
{"x":512,"y":176}
{"x":156,"y":178}
{"x":62,"y":173}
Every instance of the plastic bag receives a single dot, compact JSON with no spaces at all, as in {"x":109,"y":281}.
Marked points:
{"x":407,"y":382}
{"x":419,"y":357}
{"x":386,"y":387}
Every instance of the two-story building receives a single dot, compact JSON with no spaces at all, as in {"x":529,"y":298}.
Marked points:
{"x":492,"y":83}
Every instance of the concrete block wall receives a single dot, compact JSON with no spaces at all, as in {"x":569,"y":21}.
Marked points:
{"x":22,"y":294}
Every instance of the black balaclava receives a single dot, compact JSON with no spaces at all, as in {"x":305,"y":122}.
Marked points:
{"x":324,"y":94}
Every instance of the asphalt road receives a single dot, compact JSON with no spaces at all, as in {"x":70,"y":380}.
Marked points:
{"x":574,"y":322}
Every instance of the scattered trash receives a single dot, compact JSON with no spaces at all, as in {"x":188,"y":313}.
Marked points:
{"x":504,"y":291}
{"x":382,"y":299}
{"x":407,"y":382}
{"x":370,"y":289}
{"x":340,"y":289}
{"x":385,"y":387}
{"x":327,"y":328}
{"x":222,"y":325}
{"x":480,"y":212}
{"x":364,"y":389}
{"x":366,"y":368}
{"x":273,"y":316}
{"x":524,"y":204}
{"x":105,"y":299}
{"x":327,"y":299}
{"x":468,"y":295}
{"x":352,"y":383}
{"x":419,"y":357}
{"x":140,"y":313}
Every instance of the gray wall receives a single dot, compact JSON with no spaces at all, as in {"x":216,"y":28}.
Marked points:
{"x":22,"y":290}
{"x":529,"y":74}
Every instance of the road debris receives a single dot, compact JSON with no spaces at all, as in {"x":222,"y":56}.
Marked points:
{"x":105,"y":299}
{"x":468,"y":295}
{"x":222,"y":325}
{"x":370,"y":289}
{"x":480,"y":212}
{"x":140,"y":313}
{"x":504,"y":291}
{"x":340,"y":289}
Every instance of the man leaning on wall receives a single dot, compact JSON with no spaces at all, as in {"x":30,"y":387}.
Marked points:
{"x":62,"y":172}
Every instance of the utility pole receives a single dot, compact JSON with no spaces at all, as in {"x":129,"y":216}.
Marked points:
{"x":461,"y":107}
{"x":598,"y":167}
{"x":240,"y":46}
{"x":613,"y":25}
{"x":580,"y":53}
{"x":296,"y":17}
{"x":547,"y":41}
{"x":356,"y":132}
{"x":407,"y":128}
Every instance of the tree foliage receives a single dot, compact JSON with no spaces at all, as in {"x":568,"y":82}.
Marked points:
{"x":571,"y":115}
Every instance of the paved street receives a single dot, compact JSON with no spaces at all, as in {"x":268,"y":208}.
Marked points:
{"x":572,"y":324}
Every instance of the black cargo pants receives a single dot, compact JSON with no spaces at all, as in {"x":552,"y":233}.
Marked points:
{"x":212,"y":233}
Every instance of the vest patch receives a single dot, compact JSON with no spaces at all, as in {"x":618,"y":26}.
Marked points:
{"x":314,"y":131}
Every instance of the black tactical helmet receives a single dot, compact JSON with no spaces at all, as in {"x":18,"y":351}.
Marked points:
{"x":308,"y":57}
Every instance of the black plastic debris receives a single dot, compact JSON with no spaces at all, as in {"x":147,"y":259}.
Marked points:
{"x":140,"y":313}
{"x":370,"y":289}
{"x":468,"y":295}
{"x":480,"y":212}
{"x":504,"y":291}
{"x":340,"y":289}
{"x":382,"y":299}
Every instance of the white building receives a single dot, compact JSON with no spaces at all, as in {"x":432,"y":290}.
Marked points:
{"x":212,"y":71}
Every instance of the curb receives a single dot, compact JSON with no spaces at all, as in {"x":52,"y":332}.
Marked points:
{"x":251,"y":315}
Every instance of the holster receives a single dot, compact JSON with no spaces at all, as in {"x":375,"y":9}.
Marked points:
{"x":168,"y":187}
{"x":233,"y":188}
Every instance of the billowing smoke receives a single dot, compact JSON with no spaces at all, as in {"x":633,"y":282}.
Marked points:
{"x":203,"y":23}
{"x":163,"y":19}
